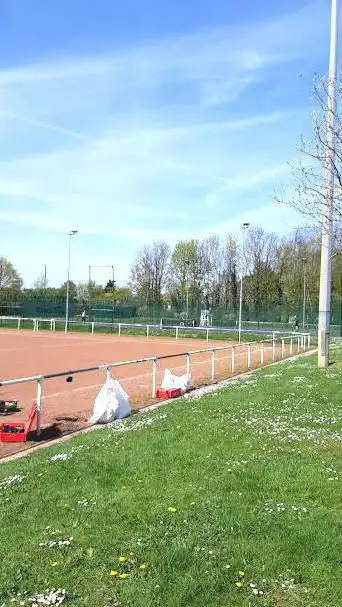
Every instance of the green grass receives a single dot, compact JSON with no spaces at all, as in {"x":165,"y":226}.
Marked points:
{"x":273,"y":437}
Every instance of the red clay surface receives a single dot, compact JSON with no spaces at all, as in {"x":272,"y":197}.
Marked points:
{"x":24,"y":353}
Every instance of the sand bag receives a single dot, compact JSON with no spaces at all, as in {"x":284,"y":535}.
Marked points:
{"x":111,"y":403}
{"x":171,"y":381}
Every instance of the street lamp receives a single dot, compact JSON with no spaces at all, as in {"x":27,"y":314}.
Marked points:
{"x":245,"y":227}
{"x":304,"y":260}
{"x":71,"y":234}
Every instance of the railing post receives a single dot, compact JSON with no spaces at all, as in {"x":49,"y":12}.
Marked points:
{"x":177,"y":330}
{"x":92,"y":327}
{"x":18,"y":323}
{"x":273,"y":347}
{"x":39,"y":405}
{"x":248,"y":356}
{"x":154,"y":378}
{"x":212,"y":365}
{"x":298,"y":344}
{"x":291,"y":345}
{"x":188,"y":367}
{"x":309,"y":340}
{"x":262,"y":353}
{"x":282,"y":347}
{"x":233,"y":359}
{"x":161,"y":324}
{"x":207,"y":334}
{"x":119,"y":329}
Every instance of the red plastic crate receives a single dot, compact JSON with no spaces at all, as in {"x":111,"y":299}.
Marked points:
{"x":16,"y":432}
{"x":173,"y":393}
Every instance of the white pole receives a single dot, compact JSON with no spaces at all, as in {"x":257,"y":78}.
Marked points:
{"x":273,"y":350}
{"x":147,"y":331}
{"x":177,"y":329}
{"x":119,"y":329}
{"x":207,"y":334}
{"x":262,"y":353}
{"x":188,"y":367}
{"x":154,"y":378}
{"x":282,"y":347}
{"x":245,"y":227}
{"x":291,"y":345}
{"x":304,"y":298}
{"x":18,"y":323}
{"x":213,"y":365}
{"x":248,"y":356}
{"x":233,"y":359}
{"x":72,"y":233}
{"x":39,"y":405}
{"x":92,"y":327}
{"x":327,"y":211}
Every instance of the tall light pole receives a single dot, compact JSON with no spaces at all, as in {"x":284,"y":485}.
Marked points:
{"x":327,"y":212}
{"x":304,"y":260}
{"x":71,"y":234}
{"x":245,"y":227}
{"x":187,"y":264}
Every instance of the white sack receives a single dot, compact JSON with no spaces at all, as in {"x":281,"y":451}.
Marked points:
{"x":111,"y":403}
{"x":173,"y":382}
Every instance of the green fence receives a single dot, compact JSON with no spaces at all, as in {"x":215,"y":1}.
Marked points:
{"x":276,"y":316}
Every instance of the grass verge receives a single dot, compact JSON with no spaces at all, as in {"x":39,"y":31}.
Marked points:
{"x":232,"y":499}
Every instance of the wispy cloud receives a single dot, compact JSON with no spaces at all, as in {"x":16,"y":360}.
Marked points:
{"x":143,"y":142}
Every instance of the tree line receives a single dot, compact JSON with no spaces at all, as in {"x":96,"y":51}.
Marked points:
{"x":207,"y":273}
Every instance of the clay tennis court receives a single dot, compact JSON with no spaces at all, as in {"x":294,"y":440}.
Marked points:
{"x":67,"y":406}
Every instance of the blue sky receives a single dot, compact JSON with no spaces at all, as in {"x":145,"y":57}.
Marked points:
{"x":137,"y":121}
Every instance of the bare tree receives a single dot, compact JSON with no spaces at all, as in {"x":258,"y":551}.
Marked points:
{"x":149,"y":271}
{"x":9,"y":276}
{"x":308,"y":187}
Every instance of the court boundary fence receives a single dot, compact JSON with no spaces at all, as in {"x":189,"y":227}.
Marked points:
{"x":298,"y":342}
{"x":55,"y":324}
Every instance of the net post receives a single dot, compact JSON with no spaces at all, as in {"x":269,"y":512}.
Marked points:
{"x":161,"y":324}
{"x":188,"y":364}
{"x":212,"y":365}
{"x":154,"y":377}
{"x":19,"y":323}
{"x":282,"y":347}
{"x":291,"y":345}
{"x":207,"y":334}
{"x":39,"y":405}
{"x":233,"y":359}
{"x":177,"y":331}
{"x":51,"y":324}
{"x":92,"y":327}
{"x":262,"y":353}
{"x":119,"y":329}
{"x":248,"y":356}
{"x":66,"y":327}
{"x":147,"y":331}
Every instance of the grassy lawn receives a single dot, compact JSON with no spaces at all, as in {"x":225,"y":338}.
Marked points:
{"x":231,"y":499}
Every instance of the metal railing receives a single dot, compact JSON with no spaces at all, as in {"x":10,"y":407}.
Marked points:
{"x":55,"y":324}
{"x":297,"y":342}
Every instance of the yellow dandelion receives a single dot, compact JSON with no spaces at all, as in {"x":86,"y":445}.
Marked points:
{"x":123,"y":576}
{"x":241,"y":573}
{"x":172,"y":509}
{"x":113,"y":573}
{"x":143,"y":566}
{"x":122,"y":559}
{"x":238,"y":584}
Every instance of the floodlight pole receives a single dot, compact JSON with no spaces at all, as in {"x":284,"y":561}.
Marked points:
{"x":327,"y":211}
{"x":71,"y":234}
{"x":245,"y":227}
{"x":304,"y":292}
